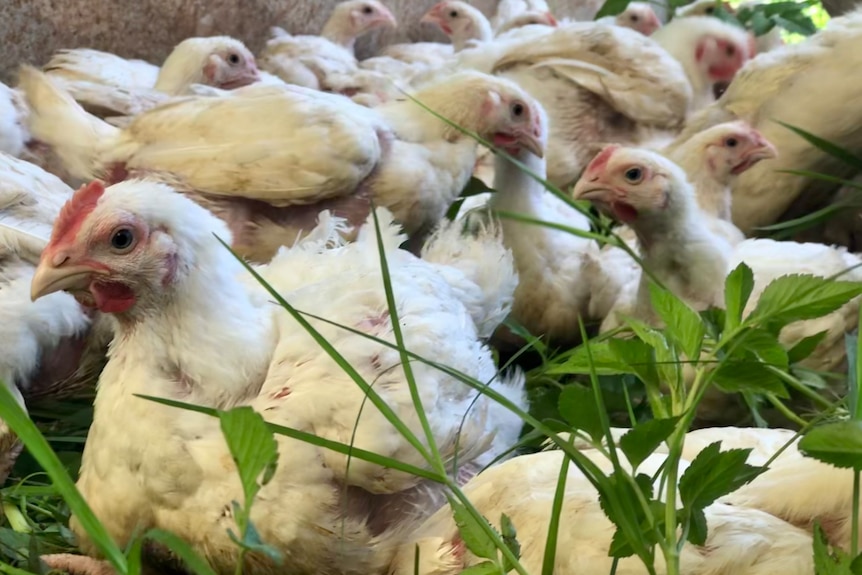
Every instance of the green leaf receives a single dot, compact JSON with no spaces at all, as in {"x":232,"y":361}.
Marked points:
{"x":760,"y":24}
{"x":838,"y":444}
{"x":683,"y":324}
{"x":510,"y":538}
{"x":737,"y":290}
{"x":251,"y":445}
{"x":826,"y":146}
{"x":252,"y":542}
{"x":182,"y":549}
{"x":638,"y":356}
{"x":635,"y":516}
{"x":854,"y":370}
{"x":475,"y":538}
{"x":826,"y":563}
{"x":483,"y":568}
{"x":796,"y":297}
{"x":666,"y":360}
{"x":746,"y":373}
{"x":796,"y":25}
{"x":765,"y":347}
{"x":697,"y":527}
{"x":578,"y":407}
{"x":605,"y":361}
{"x":611,"y":8}
{"x":805,"y":347}
{"x":715,"y":473}
{"x":641,"y":441}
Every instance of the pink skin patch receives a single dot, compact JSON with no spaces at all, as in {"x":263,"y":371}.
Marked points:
{"x":112,"y":297}
{"x":72,"y":215}
{"x":624,"y":212}
{"x":601,"y":160}
{"x":506,"y":142}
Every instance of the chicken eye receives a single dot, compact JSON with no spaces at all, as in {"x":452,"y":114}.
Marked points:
{"x":731,"y":142}
{"x":730,"y":50}
{"x":710,"y":10}
{"x":517,"y":109}
{"x":453,"y":14}
{"x":233,"y":59}
{"x":122,"y":239}
{"x":633,"y":175}
{"x":367,"y":10}
{"x":633,"y":18}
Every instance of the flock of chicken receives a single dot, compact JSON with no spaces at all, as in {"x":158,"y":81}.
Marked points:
{"x":286,"y":164}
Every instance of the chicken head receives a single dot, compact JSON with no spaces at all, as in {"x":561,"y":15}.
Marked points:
{"x":627,"y":183}
{"x":460,"y":21}
{"x":219,"y":61}
{"x":108,"y":257}
{"x":734,"y":147}
{"x":720,"y":58}
{"x":639,"y":16}
{"x":362,"y":16}
{"x":515,"y":121}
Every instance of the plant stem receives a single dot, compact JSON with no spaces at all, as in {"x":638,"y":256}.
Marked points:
{"x":854,"y":525}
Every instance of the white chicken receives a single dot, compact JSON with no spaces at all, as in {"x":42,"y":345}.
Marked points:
{"x":769,"y":41}
{"x":709,"y":50}
{"x":711,"y":160}
{"x":638,"y":16}
{"x":652,"y":195}
{"x":143,"y":253}
{"x":13,"y":122}
{"x":739,"y":539}
{"x":557,"y":271}
{"x":797,"y":85}
{"x":309,"y":60}
{"x":108,"y":85}
{"x":597,"y":83}
{"x":460,"y":22}
{"x":398,"y":154}
{"x":508,"y":10}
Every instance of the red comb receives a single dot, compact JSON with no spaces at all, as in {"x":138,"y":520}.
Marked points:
{"x":74,"y":212}
{"x":602,"y":158}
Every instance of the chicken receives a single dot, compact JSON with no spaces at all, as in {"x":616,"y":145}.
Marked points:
{"x":557,"y":271}
{"x":398,"y":154}
{"x":531,"y":20}
{"x":709,"y":50}
{"x":712,"y":160}
{"x":309,"y":60}
{"x":652,"y":195}
{"x":797,"y":85}
{"x":739,"y":539}
{"x":144,"y":254}
{"x":769,"y":41}
{"x":108,"y":85}
{"x":638,"y":16}
{"x":460,"y":22}
{"x":508,"y":10}
{"x":597,"y":83}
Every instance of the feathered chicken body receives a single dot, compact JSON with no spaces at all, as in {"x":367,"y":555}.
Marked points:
{"x":796,"y":85}
{"x":652,"y":194}
{"x":256,"y":159}
{"x":144,"y":254}
{"x":598,"y":84}
{"x":308,"y":61}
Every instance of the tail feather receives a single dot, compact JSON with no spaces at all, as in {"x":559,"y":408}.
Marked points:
{"x":481,"y":259}
{"x":57,"y":120}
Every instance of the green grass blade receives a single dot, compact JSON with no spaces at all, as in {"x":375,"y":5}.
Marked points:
{"x":826,"y":146}
{"x":402,"y":351}
{"x":313,"y":440}
{"x":38,"y":447}
{"x":550,"y":555}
